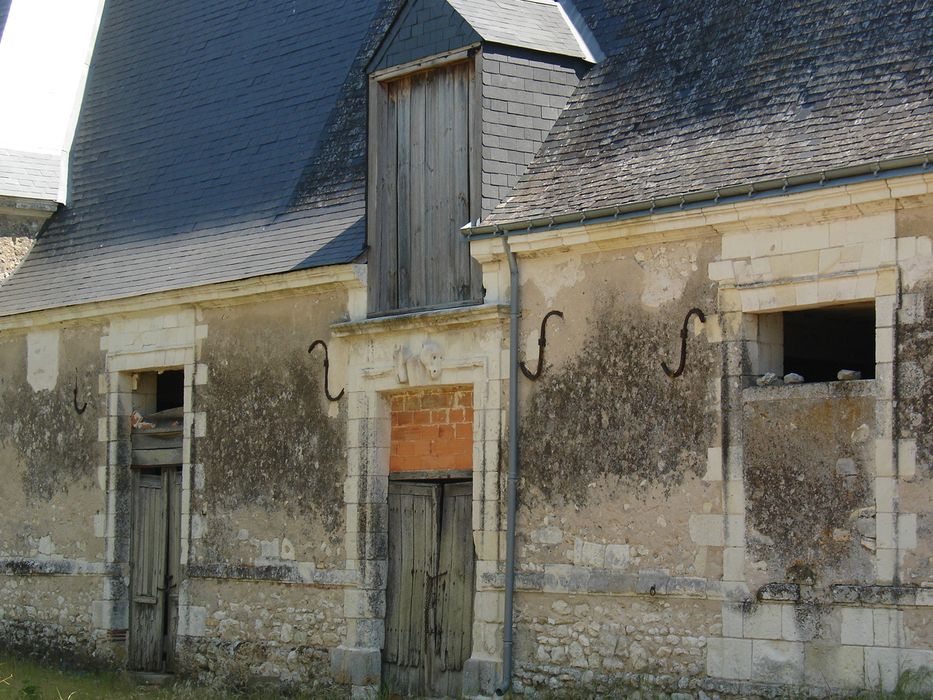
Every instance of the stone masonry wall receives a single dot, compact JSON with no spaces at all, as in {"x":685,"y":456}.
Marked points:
{"x":786,"y":523}
{"x":262,"y":520}
{"x":244,"y":632}
{"x":52,"y":547}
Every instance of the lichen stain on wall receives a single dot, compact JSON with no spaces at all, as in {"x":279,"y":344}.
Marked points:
{"x":806,"y":479}
{"x":270,"y":443}
{"x":915,"y":378}
{"x":610,"y":409}
{"x":55,"y":446}
{"x":915,"y":422}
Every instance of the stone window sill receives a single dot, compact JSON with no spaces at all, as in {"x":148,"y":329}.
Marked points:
{"x":811,"y":390}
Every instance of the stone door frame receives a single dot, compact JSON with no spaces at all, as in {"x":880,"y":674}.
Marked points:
{"x":470,"y":342}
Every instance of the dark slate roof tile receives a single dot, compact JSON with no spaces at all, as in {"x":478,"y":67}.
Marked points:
{"x":708,"y":93}
{"x":217,"y":141}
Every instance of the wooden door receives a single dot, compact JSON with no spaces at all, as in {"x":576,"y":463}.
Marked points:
{"x":420,"y":182}
{"x":452,"y":632}
{"x":429,"y":594}
{"x":172,"y":567}
{"x":155,"y":556}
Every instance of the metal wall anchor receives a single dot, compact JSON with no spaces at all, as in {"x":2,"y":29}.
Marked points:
{"x":326,"y":371}
{"x":542,"y":342}
{"x":683,"y":345}
{"x":79,"y":409}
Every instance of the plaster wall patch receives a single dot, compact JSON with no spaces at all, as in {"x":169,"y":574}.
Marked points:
{"x":665,"y":279}
{"x":563,"y":276}
{"x":42,"y":360}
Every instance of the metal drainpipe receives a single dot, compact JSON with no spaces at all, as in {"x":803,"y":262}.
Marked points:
{"x":513,"y":470}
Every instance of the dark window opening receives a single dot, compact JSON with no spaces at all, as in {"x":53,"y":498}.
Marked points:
{"x":818,"y":343}
{"x":170,"y":389}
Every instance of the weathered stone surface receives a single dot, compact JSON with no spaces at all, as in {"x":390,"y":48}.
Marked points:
{"x":356,"y":666}
{"x":797,"y":505}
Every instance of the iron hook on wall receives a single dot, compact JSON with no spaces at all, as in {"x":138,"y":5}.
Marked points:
{"x":683,"y":345}
{"x":542,"y":342}
{"x":326,"y":371}
{"x":79,"y":409}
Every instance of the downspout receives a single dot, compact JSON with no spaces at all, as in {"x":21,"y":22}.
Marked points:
{"x":506,"y":683}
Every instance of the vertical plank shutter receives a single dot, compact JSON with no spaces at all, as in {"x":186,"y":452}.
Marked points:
{"x":429,"y":592}
{"x":148,"y":572}
{"x":420,"y":173}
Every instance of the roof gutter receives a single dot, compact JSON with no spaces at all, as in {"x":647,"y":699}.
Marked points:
{"x":776,"y":187}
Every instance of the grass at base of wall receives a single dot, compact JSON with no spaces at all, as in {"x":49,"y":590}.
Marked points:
{"x":913,"y":684}
{"x":27,"y":680}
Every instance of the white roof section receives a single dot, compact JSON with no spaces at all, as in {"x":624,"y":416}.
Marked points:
{"x":29,"y":175}
{"x":540,"y":25}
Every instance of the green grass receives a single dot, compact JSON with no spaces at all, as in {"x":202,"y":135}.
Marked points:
{"x":26,"y":680}
{"x":914,"y":684}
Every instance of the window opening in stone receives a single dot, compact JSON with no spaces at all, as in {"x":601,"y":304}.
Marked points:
{"x":170,"y":389}
{"x":819,"y":344}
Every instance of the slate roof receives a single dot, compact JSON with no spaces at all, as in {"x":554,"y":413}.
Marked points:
{"x":701,"y":94}
{"x":220,"y":141}
{"x":427,"y":27}
{"x":4,"y":13}
{"x":217,"y":141}
{"x":529,"y":24}
{"x":28,"y":175}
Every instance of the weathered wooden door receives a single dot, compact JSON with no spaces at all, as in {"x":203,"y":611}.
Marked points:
{"x":172,"y":567}
{"x":154,"y":568}
{"x":421,"y":189}
{"x":429,"y":590}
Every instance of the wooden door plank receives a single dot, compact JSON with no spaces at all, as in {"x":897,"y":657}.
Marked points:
{"x":418,"y":173}
{"x":460,"y":183}
{"x":375,"y":118}
{"x":475,"y":156}
{"x":441,"y":260}
{"x":393,"y":578}
{"x":388,"y":198}
{"x":157,"y":457}
{"x":173,"y":566}
{"x":412,"y":545}
{"x":453,"y":644}
{"x":402,"y":88}
{"x":433,"y":187}
{"x":404,"y":535}
{"x":148,"y":572}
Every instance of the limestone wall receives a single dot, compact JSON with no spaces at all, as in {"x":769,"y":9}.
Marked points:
{"x":18,"y":230}
{"x":697,"y":533}
{"x":262,"y":556}
{"x":705,"y":533}
{"x":52,"y":549}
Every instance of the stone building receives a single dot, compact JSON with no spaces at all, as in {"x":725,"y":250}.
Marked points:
{"x":712,"y":195}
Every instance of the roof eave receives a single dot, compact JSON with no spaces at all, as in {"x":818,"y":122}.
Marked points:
{"x":773,"y":187}
{"x":28,"y":205}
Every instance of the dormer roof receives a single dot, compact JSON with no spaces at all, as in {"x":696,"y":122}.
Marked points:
{"x":427,"y":27}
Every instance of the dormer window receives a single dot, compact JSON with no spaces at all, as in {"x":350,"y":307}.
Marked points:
{"x":422,"y":188}
{"x":460,"y":100}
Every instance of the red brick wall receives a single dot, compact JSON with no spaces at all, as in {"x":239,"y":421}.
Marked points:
{"x":432,"y":429}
